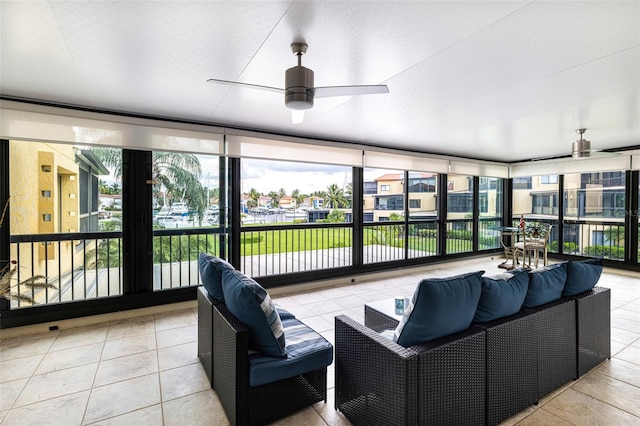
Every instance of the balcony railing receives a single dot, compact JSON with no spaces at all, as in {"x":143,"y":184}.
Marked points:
{"x":282,"y":249}
{"x":85,"y":266}
{"x":600,"y":239}
{"x":89,"y":265}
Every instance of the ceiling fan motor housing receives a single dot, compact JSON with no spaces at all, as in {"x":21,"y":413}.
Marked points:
{"x":298,"y":88}
{"x":581,"y":148}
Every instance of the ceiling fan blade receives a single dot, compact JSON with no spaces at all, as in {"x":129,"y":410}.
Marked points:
{"x":329,"y":91}
{"x":248,"y":85}
{"x":297,"y":116}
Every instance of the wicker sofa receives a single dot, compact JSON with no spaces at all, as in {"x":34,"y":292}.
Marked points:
{"x":481,"y":375}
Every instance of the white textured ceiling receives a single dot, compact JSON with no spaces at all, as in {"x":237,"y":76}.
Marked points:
{"x":504,"y":80}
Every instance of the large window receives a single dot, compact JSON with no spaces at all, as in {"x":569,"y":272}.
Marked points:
{"x":387,"y":203}
{"x":391,"y":202}
{"x":57,"y":192}
{"x":538,"y":204}
{"x":490,"y":199}
{"x":594,"y":214}
{"x":459,"y":213}
{"x":186,"y":191}
{"x":423,"y":195}
{"x":522,"y":183}
{"x":544,"y":203}
{"x":283,"y":192}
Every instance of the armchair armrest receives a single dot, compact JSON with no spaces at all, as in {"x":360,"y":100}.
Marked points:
{"x":230,"y":363}
{"x":375,"y":377}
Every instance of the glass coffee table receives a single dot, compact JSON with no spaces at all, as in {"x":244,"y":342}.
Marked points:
{"x":382,"y":315}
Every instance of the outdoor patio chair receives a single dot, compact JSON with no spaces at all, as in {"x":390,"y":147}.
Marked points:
{"x":533,"y":241}
{"x":255,"y":389}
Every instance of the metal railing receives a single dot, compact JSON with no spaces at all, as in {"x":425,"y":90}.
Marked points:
{"x":423,"y":239}
{"x":80,"y":266}
{"x":594,"y":239}
{"x":84,"y":266}
{"x":459,"y":235}
{"x":281,"y":249}
{"x":488,"y":234}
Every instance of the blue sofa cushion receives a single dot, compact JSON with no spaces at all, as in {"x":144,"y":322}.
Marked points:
{"x":211,"y":268}
{"x":251,"y":304}
{"x":582,"y":276}
{"x":501,"y":296}
{"x":545,"y":285}
{"x":439,"y":306}
{"x":305,"y":350}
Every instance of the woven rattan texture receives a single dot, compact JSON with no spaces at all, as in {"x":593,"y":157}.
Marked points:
{"x":512,"y":365}
{"x":556,"y":333}
{"x":451,"y":379}
{"x":205,"y":333}
{"x":246,"y":405}
{"x":375,"y":378}
{"x":593,"y":310}
{"x":378,"y":321}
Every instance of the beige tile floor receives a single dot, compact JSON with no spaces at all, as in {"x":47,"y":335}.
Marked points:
{"x":144,"y":370}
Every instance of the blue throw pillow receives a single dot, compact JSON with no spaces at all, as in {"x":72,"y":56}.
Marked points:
{"x":439,"y":307}
{"x":251,"y":304}
{"x":546,"y":284}
{"x":582,"y":276}
{"x":501,"y":296}
{"x":211,"y":268}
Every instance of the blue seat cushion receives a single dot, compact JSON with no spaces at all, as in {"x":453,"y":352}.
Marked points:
{"x":546,"y":285}
{"x":439,"y":306}
{"x":284,"y":314}
{"x":305,"y":350}
{"x":502,"y":296}
{"x":251,"y":304}
{"x":211,"y":268}
{"x":582,"y":276}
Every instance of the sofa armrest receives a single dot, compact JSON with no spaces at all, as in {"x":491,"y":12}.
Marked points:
{"x":593,"y":323}
{"x":375,"y":377}
{"x":452,"y":379}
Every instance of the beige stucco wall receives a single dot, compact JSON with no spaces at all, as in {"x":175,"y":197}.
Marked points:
{"x":35,"y":167}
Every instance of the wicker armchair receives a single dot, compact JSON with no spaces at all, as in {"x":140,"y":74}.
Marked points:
{"x":379,"y":382}
{"x":225,"y":358}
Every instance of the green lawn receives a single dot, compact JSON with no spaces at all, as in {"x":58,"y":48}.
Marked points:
{"x":293,"y":240}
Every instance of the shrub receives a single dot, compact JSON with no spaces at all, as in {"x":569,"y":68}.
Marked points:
{"x":608,"y":252}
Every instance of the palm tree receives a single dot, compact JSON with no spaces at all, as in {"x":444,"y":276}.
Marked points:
{"x":178,"y":173}
{"x":254,"y":195}
{"x":275,"y":198}
{"x":335,"y":197}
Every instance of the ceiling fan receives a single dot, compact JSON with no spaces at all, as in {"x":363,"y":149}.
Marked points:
{"x":582,"y":148}
{"x":299,"y":91}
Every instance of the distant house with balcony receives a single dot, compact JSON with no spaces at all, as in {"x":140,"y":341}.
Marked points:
{"x":385,"y":196}
{"x":313,"y":202}
{"x":594,"y":203}
{"x":287,"y":202}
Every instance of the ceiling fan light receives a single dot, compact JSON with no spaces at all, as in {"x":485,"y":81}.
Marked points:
{"x":581,"y":148}
{"x":298,"y":101}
